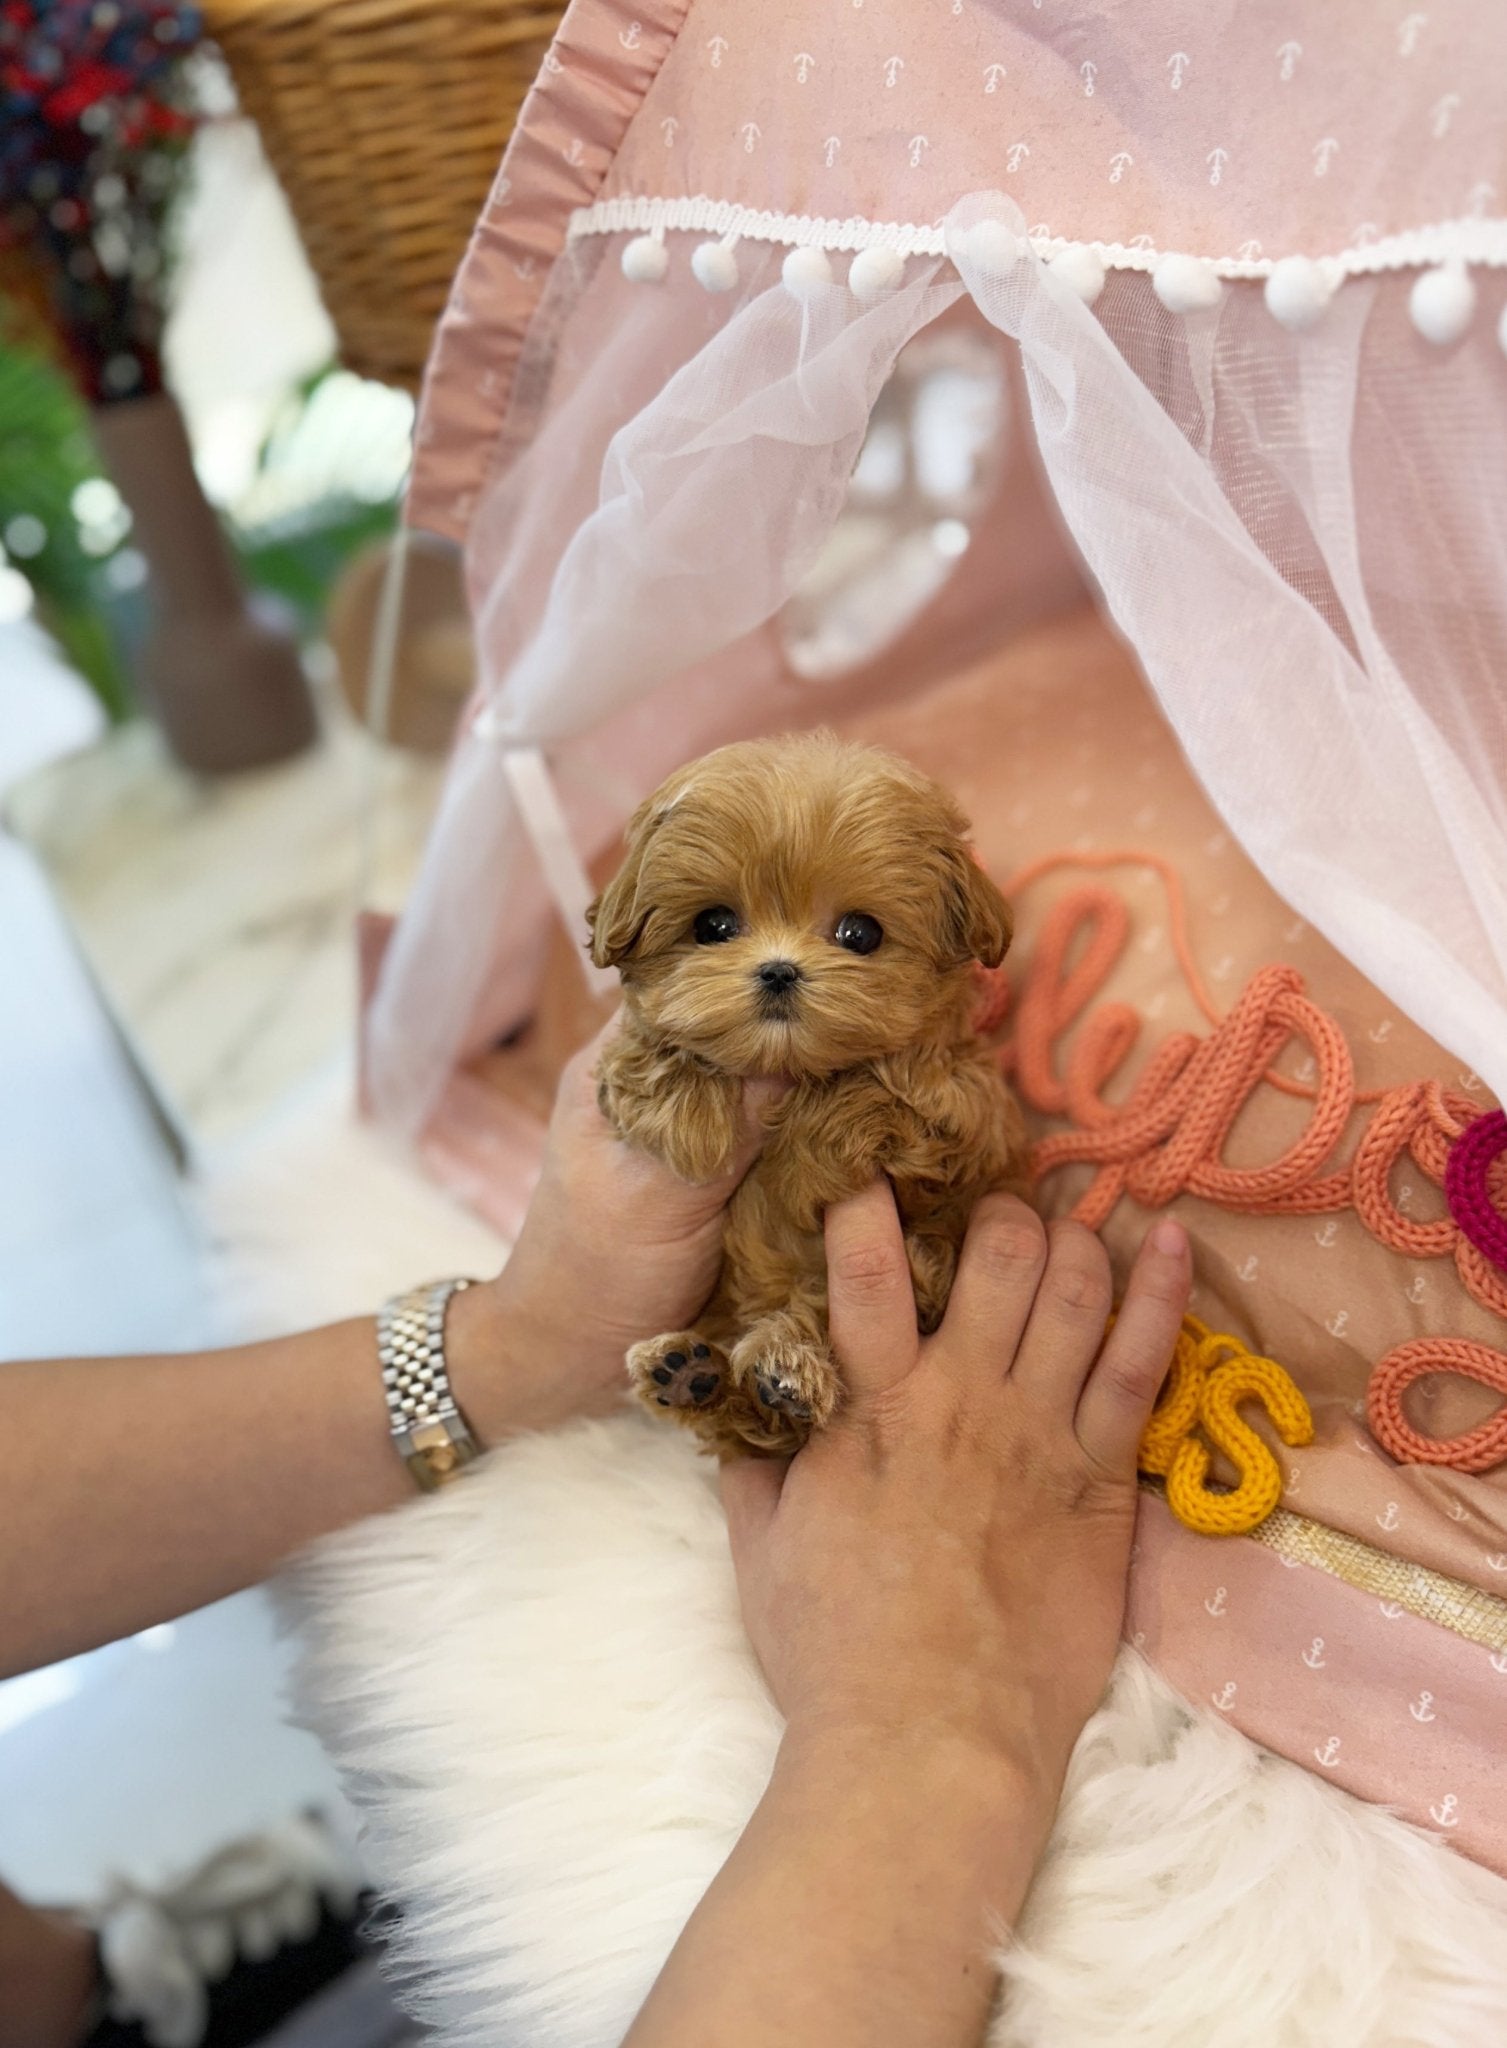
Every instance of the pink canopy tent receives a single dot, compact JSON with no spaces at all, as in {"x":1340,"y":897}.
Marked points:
{"x":818,"y":363}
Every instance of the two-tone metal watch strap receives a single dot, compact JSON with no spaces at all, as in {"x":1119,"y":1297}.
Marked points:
{"x":432,"y":1436}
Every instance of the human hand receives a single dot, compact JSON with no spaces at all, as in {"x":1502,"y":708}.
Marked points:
{"x":614,"y":1247}
{"x":943,"y":1568}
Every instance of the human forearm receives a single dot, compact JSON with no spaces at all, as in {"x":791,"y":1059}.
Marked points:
{"x":141,"y":1487}
{"x":861,"y":1904}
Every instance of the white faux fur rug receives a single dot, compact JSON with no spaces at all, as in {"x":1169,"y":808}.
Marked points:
{"x":540,"y":1692}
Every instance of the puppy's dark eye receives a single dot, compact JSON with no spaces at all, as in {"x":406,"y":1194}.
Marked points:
{"x":859,"y":932}
{"x":716,"y":926}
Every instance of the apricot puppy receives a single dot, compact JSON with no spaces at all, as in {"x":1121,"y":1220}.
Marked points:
{"x":807,"y":908}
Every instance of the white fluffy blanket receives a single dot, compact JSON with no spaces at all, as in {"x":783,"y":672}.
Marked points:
{"x":540,"y":1692}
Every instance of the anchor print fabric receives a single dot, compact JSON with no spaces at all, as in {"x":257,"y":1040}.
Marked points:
{"x":1267,"y":129}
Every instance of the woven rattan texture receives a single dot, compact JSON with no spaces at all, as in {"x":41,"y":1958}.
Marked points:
{"x":385,"y":121}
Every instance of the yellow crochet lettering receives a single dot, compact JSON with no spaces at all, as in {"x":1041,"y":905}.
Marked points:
{"x":1198,"y":1413}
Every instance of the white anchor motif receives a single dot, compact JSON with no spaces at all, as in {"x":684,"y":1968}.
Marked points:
{"x":1323,"y":154}
{"x":1290,"y":1564}
{"x":1178,"y":64}
{"x":1291,"y":1483}
{"x":1224,"y":1699}
{"x":1223,"y":969}
{"x":1405,"y":1195}
{"x":1469,"y":1082}
{"x":993,"y":73}
{"x":1408,"y":31}
{"x":718,"y":47}
{"x":1498,"y":1660}
{"x":552,"y":62}
{"x":830,"y":148}
{"x":804,"y":64}
{"x":893,"y":66}
{"x":1325,"y":1238}
{"x":1367,"y":233}
{"x":669,"y":128}
{"x":1249,"y":251}
{"x":1298,"y":926}
{"x":1422,"y":1709}
{"x":1336,"y":1323}
{"x":576,"y":153}
{"x":1138,"y":1640}
{"x":1498,"y":1561}
{"x":1416,"y":1290}
{"x":1217,"y":1604}
{"x":1478,"y":199}
{"x":1456,"y":1512}
{"x":1447,"y":1812}
{"x":917,"y":148}
{"x":750,"y":131}
{"x":1390,"y":1609}
{"x":631,"y":36}
{"x":1442,"y":113}
{"x":501,"y":190}
{"x":1313,"y":1656}
{"x":1288,"y":54}
{"x":1088,"y":71}
{"x":1016,"y":155}
{"x":1249,"y":1268}
{"x":1329,"y":1755}
{"x":1390,"y":1518}
{"x":1216,"y":161}
{"x":526,"y":268}
{"x":1380,"y":1033}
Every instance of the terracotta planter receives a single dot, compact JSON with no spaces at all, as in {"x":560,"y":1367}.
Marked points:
{"x":226,"y":686}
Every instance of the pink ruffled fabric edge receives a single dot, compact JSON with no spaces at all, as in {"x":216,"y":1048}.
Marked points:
{"x":604,"y":58}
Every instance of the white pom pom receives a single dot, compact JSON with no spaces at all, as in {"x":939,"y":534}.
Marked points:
{"x":1186,"y":284}
{"x":873,"y":272}
{"x":1441,"y":303}
{"x":805,"y":271}
{"x":645,"y":260}
{"x":715,"y":267}
{"x":991,"y":247}
{"x":1297,"y":292}
{"x":1080,"y":270}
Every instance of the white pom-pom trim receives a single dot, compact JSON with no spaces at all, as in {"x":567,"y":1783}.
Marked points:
{"x":805,"y":272}
{"x":1297,"y":293}
{"x":715,"y":266}
{"x":1442,"y":303}
{"x":646,"y":260}
{"x":1080,"y":270}
{"x":991,"y":247}
{"x":1186,"y":284}
{"x":873,"y":272}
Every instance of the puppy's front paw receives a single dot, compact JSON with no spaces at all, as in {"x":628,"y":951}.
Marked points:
{"x":787,"y":1371}
{"x":679,"y":1371}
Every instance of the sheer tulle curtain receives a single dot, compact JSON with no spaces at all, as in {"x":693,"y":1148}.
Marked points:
{"x":1302,"y":537}
{"x":605,"y":562}
{"x":1305,"y":540}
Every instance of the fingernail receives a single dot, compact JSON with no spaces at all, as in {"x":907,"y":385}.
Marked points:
{"x":1170,"y":1237}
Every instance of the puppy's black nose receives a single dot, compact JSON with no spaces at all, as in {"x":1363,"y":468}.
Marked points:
{"x":779,"y":976}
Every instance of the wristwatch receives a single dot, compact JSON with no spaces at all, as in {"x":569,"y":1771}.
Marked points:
{"x":432,"y":1436}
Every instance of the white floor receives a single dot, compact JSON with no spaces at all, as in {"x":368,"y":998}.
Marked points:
{"x":148,"y":1754}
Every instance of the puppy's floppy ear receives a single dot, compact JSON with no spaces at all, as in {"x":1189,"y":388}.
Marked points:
{"x":617,"y":917}
{"x":979,"y":922}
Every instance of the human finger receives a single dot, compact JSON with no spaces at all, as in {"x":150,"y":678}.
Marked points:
{"x":871,"y":1305}
{"x":1003,"y":1258}
{"x":1066,"y":1324}
{"x":750,"y":1494}
{"x":1118,"y":1395}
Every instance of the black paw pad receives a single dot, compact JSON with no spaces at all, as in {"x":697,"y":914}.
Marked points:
{"x":663,"y":1374}
{"x":783,"y":1399}
{"x":703,"y":1387}
{"x":675,"y":1358}
{"x":700,"y":1351}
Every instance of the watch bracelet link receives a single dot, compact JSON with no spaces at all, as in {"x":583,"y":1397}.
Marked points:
{"x":428,"y":1429}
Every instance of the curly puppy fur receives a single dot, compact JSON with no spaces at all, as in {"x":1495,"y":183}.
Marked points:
{"x":785,"y":840}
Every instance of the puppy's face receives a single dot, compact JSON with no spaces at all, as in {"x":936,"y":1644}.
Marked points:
{"x":797,"y":906}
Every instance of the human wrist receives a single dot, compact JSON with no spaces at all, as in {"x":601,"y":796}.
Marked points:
{"x":929,"y":1766}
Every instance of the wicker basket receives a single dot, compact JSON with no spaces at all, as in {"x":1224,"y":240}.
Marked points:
{"x":385,"y":120}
